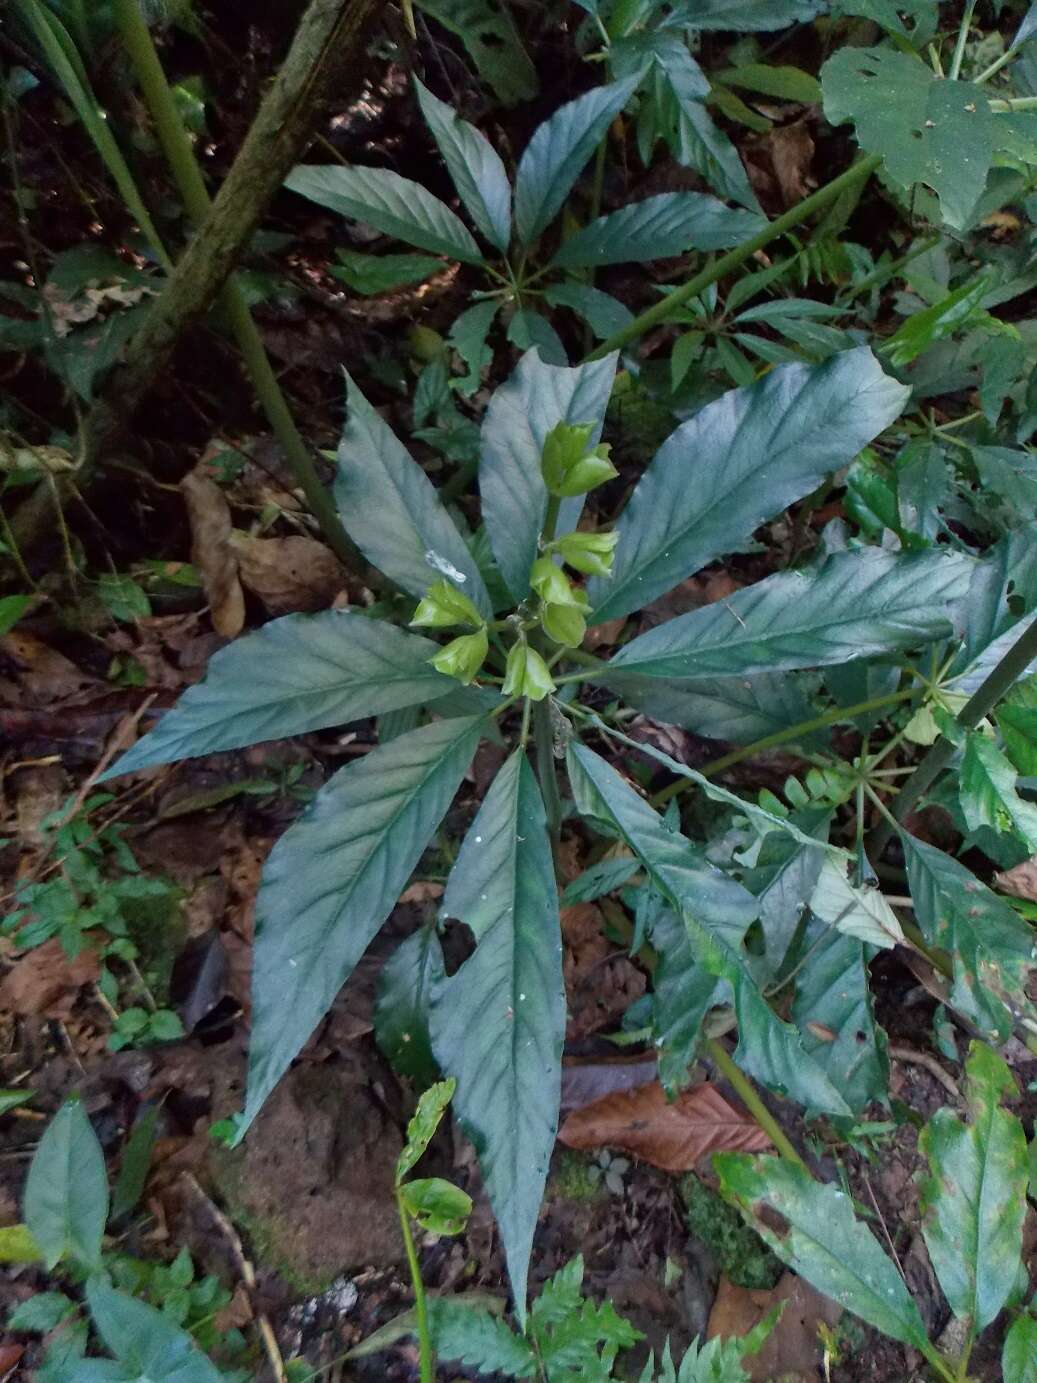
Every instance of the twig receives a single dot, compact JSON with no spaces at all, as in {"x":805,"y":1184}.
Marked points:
{"x":913,"y":1058}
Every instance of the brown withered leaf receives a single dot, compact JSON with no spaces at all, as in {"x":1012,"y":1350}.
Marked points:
{"x":600,"y":979}
{"x":289,"y":574}
{"x":1020,"y":881}
{"x":45,"y":980}
{"x":212,"y":552}
{"x":791,"y":148}
{"x":671,"y":1135}
{"x":791,"y":1352}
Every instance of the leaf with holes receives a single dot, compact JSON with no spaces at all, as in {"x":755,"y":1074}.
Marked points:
{"x":856,"y":910}
{"x":928,"y":129}
{"x":497,"y":1025}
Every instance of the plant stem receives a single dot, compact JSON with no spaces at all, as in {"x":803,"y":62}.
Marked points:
{"x":1014,"y":103}
{"x":1007,"y":672}
{"x":543,"y":735}
{"x":795,"y":216}
{"x":180,"y":155}
{"x":885,"y":272}
{"x":547,"y":533}
{"x":832,"y":717}
{"x":427,"y":1365}
{"x":725,"y":1064}
{"x":963,"y":38}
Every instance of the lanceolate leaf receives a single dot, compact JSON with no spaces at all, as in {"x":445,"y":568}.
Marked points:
{"x":740,"y":709}
{"x":145,"y":1341}
{"x":392,"y":511}
{"x":715,"y":918}
{"x":332,"y":879}
{"x":497,"y":1025}
{"x":393,"y":205}
{"x":854,"y":605}
{"x":657,"y":228}
{"x":989,"y":943}
{"x":684,"y":992}
{"x":822,"y":1241}
{"x":518,"y":419}
{"x":474,"y":165}
{"x":974,"y":1200}
{"x":701,"y":144}
{"x":66,"y":1192}
{"x":738,"y":462}
{"x":556,"y":155}
{"x":296,"y":674}
{"x":833,"y":1011}
{"x":401,"y":1010}
{"x":604,"y":314}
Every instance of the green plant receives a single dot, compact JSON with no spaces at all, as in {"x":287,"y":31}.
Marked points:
{"x":337,"y":873}
{"x":973,"y":1201}
{"x":152,"y":1320}
{"x":92,"y":896}
{"x":513,"y":220}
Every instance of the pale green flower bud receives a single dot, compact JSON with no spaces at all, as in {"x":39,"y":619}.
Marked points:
{"x":444,"y":605}
{"x":551,"y":583}
{"x":462,"y":657}
{"x":568,"y":467}
{"x":563,"y":623}
{"x":590,"y":553}
{"x":527,"y":674}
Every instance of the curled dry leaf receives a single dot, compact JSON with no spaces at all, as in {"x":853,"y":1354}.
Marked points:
{"x":212,"y":552}
{"x":289,"y":574}
{"x":1021,"y":881}
{"x":45,"y":980}
{"x":671,"y":1135}
{"x":791,"y":1351}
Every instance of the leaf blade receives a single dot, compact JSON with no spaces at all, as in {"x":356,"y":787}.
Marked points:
{"x":474,"y":165}
{"x":66,"y":1192}
{"x":658,"y":228}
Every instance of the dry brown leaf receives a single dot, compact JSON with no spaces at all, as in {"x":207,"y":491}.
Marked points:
{"x":212,"y":553}
{"x":587,"y":1081}
{"x":791,"y":148}
{"x":45,"y":980}
{"x":600,"y":980}
{"x":1021,"y":881}
{"x":289,"y":574}
{"x":40,"y":675}
{"x":423,"y":891}
{"x":672,"y":1135}
{"x":9,"y":1357}
{"x":791,"y":1352}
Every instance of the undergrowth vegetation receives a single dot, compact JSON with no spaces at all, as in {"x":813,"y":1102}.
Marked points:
{"x":725,"y":564}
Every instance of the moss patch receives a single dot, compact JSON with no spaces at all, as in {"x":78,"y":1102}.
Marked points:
{"x":739,"y":1251}
{"x":576,"y":1177}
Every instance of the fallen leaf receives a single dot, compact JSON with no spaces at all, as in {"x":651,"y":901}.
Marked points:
{"x":791,"y":1352}
{"x":289,"y":574}
{"x":40,"y":675}
{"x":672,"y":1135}
{"x":604,"y":635}
{"x":585,"y":1082}
{"x":46,"y":981}
{"x":9,"y":1357}
{"x":212,"y":552}
{"x":1021,"y":881}
{"x":600,"y":980}
{"x":423,"y":891}
{"x":791,"y":148}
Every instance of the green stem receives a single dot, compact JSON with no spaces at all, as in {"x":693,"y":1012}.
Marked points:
{"x":885,"y":272}
{"x":795,"y":216}
{"x":1014,"y":103}
{"x":547,"y":533}
{"x":746,"y":1091}
{"x":420,"y":1306}
{"x":1004,"y":676}
{"x":794,"y":732}
{"x":543,"y":735}
{"x":995,"y":67}
{"x":180,"y":156}
{"x":963,"y":37}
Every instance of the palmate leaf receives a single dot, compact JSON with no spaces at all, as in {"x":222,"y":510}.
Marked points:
{"x":833,"y":1009}
{"x":739,"y":461}
{"x":145,"y":1341}
{"x":990,"y":945}
{"x":66,"y":1191}
{"x":518,"y":419}
{"x":294,"y":675}
{"x":558,"y":152}
{"x":392,"y":512}
{"x":745,"y":15}
{"x":498,"y":1024}
{"x":473,"y":164}
{"x":657,"y":228}
{"x":928,"y":129}
{"x":393,"y":205}
{"x":821,"y":1240}
{"x":715,"y":916}
{"x":332,"y":879}
{"x":974,"y":1200}
{"x":855,"y":604}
